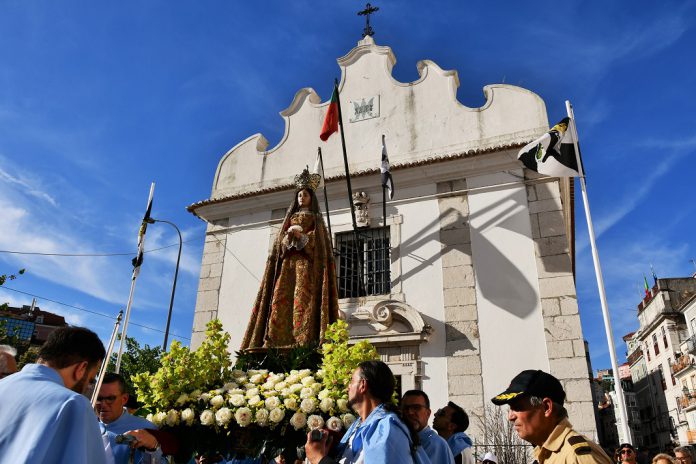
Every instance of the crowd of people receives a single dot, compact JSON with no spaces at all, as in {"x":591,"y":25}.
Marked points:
{"x":46,"y":418}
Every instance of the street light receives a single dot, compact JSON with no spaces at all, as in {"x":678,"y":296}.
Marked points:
{"x":176,"y":274}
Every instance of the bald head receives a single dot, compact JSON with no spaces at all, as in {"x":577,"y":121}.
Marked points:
{"x":8,"y":364}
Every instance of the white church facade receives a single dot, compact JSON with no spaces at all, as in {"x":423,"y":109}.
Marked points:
{"x":481,"y":266}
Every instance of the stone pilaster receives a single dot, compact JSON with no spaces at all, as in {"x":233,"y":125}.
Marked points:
{"x":208,"y":285}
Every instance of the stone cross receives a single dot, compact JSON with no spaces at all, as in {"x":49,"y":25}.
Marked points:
{"x":369,"y":9}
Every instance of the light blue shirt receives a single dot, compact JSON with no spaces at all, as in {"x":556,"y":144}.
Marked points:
{"x":435,"y":447}
{"x":42,"y":421}
{"x":125,"y":423}
{"x":381,"y":438}
{"x":458,"y":442}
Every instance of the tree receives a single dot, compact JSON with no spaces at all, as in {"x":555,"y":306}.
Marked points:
{"x":500,"y":437}
{"x":7,"y":336}
{"x":136,"y":360}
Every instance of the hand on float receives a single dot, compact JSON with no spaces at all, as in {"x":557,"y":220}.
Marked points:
{"x":316,"y":450}
{"x":143,"y":439}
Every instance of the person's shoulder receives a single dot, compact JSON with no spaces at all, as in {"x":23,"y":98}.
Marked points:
{"x":584,"y":451}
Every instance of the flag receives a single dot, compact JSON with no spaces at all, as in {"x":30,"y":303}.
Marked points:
{"x":319,"y":168}
{"x":653,"y":273}
{"x":331,"y":119}
{"x":387,"y":181}
{"x":138,"y":260}
{"x":647,"y":289}
{"x":553,"y":153}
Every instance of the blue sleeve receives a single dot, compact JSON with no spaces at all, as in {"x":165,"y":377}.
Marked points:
{"x":388,"y":443}
{"x":440,"y":452}
{"x":78,"y":435}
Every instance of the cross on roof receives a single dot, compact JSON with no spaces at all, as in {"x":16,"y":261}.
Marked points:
{"x":369,"y":9}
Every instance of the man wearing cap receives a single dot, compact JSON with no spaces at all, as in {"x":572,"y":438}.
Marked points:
{"x":537,"y":413}
{"x":626,"y":454}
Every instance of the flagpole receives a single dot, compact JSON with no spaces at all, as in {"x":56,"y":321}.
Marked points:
{"x":350,"y":191}
{"x":136,"y":271}
{"x":105,"y":362}
{"x":326,"y":197}
{"x":621,"y":406}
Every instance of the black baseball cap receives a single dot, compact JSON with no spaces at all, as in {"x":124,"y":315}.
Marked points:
{"x":532,"y":383}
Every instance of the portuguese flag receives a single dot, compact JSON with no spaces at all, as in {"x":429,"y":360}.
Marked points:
{"x":331,"y":119}
{"x":647,"y":288}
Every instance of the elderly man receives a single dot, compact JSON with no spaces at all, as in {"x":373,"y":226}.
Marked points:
{"x":115,"y":420}
{"x":451,"y":422}
{"x":8,"y":364}
{"x":683,"y":455}
{"x":537,"y":413}
{"x":378,"y":435}
{"x":415,"y":411}
{"x":44,"y":416}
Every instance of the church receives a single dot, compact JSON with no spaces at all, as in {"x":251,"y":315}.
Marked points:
{"x":466,"y":276}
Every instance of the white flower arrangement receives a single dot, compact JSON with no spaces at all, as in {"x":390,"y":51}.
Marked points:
{"x":308,"y":405}
{"x":262,"y":417}
{"x":223,"y":416}
{"x":327,"y":404}
{"x":348,"y":420}
{"x":272,"y":402}
{"x":159,"y":418}
{"x":334,"y":424}
{"x":188,"y":416}
{"x":172,"y":418}
{"x":217,"y":401}
{"x":276,"y":415}
{"x":342,"y":404}
{"x":243,"y":416}
{"x":207,"y":417}
{"x":237,"y":400}
{"x":298,"y":420}
{"x":315,"y":422}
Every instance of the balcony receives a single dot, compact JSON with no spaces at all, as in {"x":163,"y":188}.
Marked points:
{"x":684,"y":362}
{"x":688,"y":400}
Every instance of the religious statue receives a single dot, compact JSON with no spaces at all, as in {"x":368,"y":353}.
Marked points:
{"x":298,"y":297}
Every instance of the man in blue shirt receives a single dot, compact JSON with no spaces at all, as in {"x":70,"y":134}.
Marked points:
{"x":44,"y":416}
{"x":115,"y":420}
{"x":450,"y":423}
{"x":415,"y":410}
{"x":378,"y":435}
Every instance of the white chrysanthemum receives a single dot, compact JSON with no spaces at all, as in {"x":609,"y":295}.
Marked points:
{"x":323,"y":394}
{"x":182,"y":399}
{"x":223,"y":416}
{"x":290,"y":403}
{"x":334,"y":424}
{"x":298,"y":420}
{"x":254,"y":400}
{"x":172,"y":418}
{"x":159,"y":418}
{"x":347,"y":419}
{"x":150,"y":417}
{"x":277,"y":415}
{"x":342,"y":405}
{"x":236,"y":391}
{"x":262,"y":417}
{"x":309,"y":380}
{"x":308,"y":405}
{"x":326,"y":404}
{"x":252,"y":392}
{"x":306,"y":392}
{"x":280,"y":386}
{"x":243,"y":416}
{"x":230,"y":386}
{"x":315,"y":422}
{"x":237,"y":400}
{"x":272,"y":402}
{"x":207,"y":417}
{"x":188,"y":416}
{"x":217,"y":401}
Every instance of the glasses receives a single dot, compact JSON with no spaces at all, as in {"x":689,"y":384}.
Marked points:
{"x":626,"y":451}
{"x":106,"y":399}
{"x":413,"y":407}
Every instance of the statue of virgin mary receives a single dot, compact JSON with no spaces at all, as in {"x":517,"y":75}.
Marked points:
{"x":298,"y":297}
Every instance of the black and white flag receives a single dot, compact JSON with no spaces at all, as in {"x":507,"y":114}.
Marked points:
{"x":138,"y":260}
{"x":387,"y":181}
{"x":553,"y":153}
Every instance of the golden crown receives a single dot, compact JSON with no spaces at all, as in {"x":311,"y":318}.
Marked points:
{"x":307,"y":180}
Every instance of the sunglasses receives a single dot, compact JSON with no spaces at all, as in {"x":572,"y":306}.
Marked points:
{"x":626,"y":451}
{"x":106,"y":399}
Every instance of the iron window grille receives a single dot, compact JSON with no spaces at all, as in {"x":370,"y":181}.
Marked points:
{"x":363,"y":260}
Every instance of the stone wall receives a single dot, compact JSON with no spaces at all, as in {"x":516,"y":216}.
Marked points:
{"x":208,"y":285}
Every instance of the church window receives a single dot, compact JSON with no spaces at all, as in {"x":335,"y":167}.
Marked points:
{"x":664,"y":336}
{"x":363,"y":262}
{"x":656,"y":347}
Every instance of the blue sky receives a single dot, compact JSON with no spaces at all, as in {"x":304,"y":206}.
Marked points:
{"x":98,"y":99}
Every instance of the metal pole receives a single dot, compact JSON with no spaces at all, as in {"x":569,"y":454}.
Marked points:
{"x":105,"y":362}
{"x":176,"y":274}
{"x":326,"y":197}
{"x":600,"y":284}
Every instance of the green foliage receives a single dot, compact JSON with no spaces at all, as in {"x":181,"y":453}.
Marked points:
{"x":275,"y":360}
{"x":341,"y":359}
{"x":184,"y":370}
{"x":136,"y":359}
{"x":29,"y":356}
{"x":8,"y":337}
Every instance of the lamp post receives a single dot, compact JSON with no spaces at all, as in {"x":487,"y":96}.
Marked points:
{"x":176,"y":274}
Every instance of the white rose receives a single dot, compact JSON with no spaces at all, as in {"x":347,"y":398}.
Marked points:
{"x":207,"y":417}
{"x":280,"y":386}
{"x":172,"y":418}
{"x":326,"y":404}
{"x":241,"y":380}
{"x":249,"y":386}
{"x":237,"y":400}
{"x":204,"y":397}
{"x":262,"y":417}
{"x":292,"y":379}
{"x":254,"y":400}
{"x":268,"y":386}
{"x":277,"y":415}
{"x":238,"y":373}
{"x":347,"y":419}
{"x":308,"y":405}
{"x":272,"y":402}
{"x":195,"y":394}
{"x":159,"y":418}
{"x":252,"y":392}
{"x":230,"y":386}
{"x":183,"y":398}
{"x":243,"y":416}
{"x":270,"y":393}
{"x":323,"y":394}
{"x":285,"y":392}
{"x":304,"y":373}
{"x":334,"y":424}
{"x":315,"y":422}
{"x":298,"y":420}
{"x":220,"y":391}
{"x":295,"y":388}
{"x":306,"y":392}
{"x":150,"y":418}
{"x":223,"y":416}
{"x":188,"y":416}
{"x":290,"y":403}
{"x":319,"y":374}
{"x":316,"y":388}
{"x":258,"y":378}
{"x":342,"y":405}
{"x":236,"y":391}
{"x":217,"y":401}
{"x":307,"y":381}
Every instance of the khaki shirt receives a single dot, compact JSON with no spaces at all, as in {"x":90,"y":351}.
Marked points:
{"x":566,"y":446}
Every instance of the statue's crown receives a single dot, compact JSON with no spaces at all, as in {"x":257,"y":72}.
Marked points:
{"x":307,"y":180}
